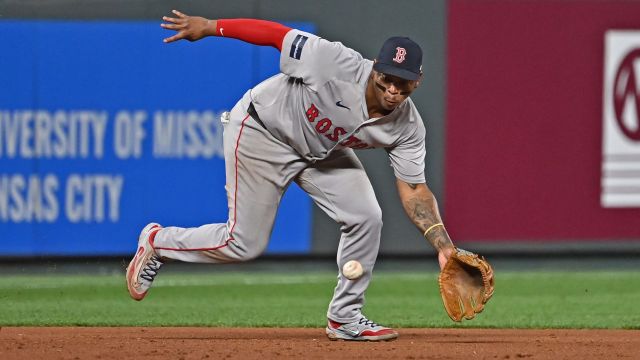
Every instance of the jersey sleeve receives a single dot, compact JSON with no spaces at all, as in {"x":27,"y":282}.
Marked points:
{"x":316,"y":60}
{"x":254,"y":31}
{"x":408,"y":156}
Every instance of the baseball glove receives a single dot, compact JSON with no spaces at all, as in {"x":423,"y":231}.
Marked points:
{"x":466,"y":284}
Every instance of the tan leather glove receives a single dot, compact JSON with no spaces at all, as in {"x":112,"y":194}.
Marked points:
{"x":466,"y":284}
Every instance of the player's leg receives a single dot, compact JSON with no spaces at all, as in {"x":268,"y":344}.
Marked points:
{"x":258,"y":170}
{"x":340,"y":186}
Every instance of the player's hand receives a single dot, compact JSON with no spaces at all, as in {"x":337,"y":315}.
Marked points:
{"x":191,"y":28}
{"x":444,"y":255}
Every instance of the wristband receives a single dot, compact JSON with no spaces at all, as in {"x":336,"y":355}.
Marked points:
{"x":431,"y":228}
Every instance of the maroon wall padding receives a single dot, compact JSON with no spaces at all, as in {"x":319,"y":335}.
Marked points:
{"x":524,"y":120}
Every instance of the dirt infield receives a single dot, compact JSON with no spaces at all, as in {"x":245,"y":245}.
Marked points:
{"x":268,"y":343}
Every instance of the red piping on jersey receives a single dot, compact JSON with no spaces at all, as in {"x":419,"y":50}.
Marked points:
{"x":257,"y":32}
{"x":235,"y":201}
{"x":235,"y":193}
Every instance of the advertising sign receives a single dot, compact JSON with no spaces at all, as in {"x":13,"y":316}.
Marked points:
{"x":527,"y":156}
{"x":104,"y":128}
{"x":621,"y":135}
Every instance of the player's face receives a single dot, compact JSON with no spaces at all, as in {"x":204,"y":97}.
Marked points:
{"x":391,"y":90}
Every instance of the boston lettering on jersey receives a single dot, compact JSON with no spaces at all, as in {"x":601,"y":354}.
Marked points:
{"x":325,"y":127}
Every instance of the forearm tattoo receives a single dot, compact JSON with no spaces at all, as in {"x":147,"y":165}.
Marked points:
{"x":422,"y":210}
{"x":439,"y":238}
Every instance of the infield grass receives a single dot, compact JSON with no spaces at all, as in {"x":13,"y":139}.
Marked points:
{"x":522,"y":300}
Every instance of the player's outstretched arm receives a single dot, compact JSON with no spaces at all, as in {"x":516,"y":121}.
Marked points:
{"x":422,"y":208}
{"x":258,"y":32}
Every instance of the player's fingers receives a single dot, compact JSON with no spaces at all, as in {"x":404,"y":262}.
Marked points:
{"x":170,"y":19}
{"x":173,"y":26}
{"x":179,"y":14}
{"x":173,"y":38}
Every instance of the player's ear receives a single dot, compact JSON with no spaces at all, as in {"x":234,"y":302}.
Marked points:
{"x":419,"y":79}
{"x":373,"y":72}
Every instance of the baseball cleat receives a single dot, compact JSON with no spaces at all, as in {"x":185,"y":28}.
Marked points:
{"x":360,"y":330}
{"x":145,"y":265}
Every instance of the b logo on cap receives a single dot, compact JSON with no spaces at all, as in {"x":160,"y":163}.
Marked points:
{"x":400,"y":55}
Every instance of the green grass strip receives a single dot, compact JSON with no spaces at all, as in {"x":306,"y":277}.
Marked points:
{"x":521,"y":300}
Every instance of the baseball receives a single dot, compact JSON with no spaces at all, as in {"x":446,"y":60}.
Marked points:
{"x":352,"y":270}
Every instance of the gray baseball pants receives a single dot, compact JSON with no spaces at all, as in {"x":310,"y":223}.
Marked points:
{"x":259,"y":169}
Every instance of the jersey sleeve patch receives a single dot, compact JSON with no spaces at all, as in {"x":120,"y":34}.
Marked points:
{"x":297,"y":45}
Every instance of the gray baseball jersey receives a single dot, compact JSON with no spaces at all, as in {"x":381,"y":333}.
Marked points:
{"x":313,"y":115}
{"x":317,"y":104}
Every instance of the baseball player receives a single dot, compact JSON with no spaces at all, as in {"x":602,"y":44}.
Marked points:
{"x":303,"y":125}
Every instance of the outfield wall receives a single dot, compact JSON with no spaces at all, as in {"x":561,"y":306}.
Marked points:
{"x":103,"y":127}
{"x":543,"y":133}
{"x":523,"y":106}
